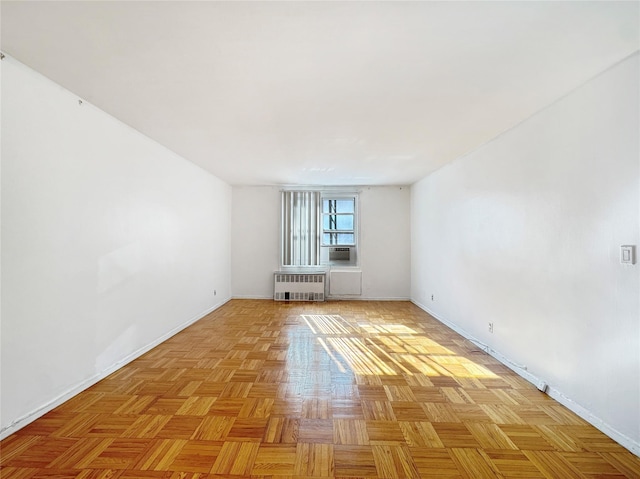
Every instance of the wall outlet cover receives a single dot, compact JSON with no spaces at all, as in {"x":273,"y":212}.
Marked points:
{"x":628,"y":254}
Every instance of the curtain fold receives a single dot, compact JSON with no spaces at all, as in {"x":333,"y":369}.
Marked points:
{"x":301,"y":228}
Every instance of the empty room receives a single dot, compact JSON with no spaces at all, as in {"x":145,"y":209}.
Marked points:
{"x":326,"y":239}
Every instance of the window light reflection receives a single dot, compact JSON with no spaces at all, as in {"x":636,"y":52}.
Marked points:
{"x":388,"y":349}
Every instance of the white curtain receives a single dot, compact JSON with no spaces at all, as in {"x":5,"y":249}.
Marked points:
{"x":301,"y":228}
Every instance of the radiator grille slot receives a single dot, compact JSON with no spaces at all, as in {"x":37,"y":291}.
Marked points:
{"x":299,"y":286}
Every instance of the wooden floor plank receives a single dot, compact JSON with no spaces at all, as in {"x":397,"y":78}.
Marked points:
{"x":262,"y":389}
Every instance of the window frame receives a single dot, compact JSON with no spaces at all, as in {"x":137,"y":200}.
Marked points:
{"x":324,"y":249}
{"x":354,"y":231}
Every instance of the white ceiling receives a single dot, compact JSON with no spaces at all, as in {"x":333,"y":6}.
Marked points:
{"x":331,"y":93}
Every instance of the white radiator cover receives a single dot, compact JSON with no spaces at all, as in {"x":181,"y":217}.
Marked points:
{"x":345,"y":282}
{"x":298,"y":286}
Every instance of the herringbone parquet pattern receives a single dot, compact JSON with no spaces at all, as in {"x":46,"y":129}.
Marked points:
{"x":339,"y":389}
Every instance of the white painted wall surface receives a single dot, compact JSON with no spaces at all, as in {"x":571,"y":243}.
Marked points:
{"x":526,"y":233}
{"x":110,"y":243}
{"x":255,"y":236}
{"x":385,"y":246}
{"x":384,"y":251}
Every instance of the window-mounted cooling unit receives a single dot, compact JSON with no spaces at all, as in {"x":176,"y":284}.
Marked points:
{"x":340,"y":254}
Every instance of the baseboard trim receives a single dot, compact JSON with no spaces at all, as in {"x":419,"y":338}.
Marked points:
{"x":365,"y":298}
{"x":553,"y":392}
{"x":251,"y":296}
{"x":335,"y":298}
{"x":28,"y":418}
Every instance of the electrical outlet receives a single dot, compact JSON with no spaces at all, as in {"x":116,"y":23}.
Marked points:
{"x":432,"y":298}
{"x":628,"y":254}
{"x":491,"y":327}
{"x":214,"y":292}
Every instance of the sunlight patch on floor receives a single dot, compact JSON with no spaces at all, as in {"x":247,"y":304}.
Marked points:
{"x":388,"y":349}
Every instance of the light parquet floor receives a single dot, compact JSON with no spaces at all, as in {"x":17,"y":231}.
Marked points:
{"x":338,"y":389}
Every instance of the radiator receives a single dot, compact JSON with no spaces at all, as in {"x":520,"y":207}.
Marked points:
{"x":298,"y":286}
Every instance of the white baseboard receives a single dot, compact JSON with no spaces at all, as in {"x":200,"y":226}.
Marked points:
{"x":346,"y":298}
{"x":251,"y":296}
{"x":553,"y":392}
{"x":81,"y":386}
{"x":365,"y":298}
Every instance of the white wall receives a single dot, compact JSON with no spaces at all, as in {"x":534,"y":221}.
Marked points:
{"x":110,"y":243}
{"x":526,"y":232}
{"x":384,"y":249}
{"x":255,"y":237}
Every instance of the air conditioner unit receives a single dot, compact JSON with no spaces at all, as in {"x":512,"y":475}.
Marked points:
{"x":340,"y":254}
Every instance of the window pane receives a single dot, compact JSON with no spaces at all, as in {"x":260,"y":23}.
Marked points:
{"x":345,"y":238}
{"x":338,"y":238}
{"x":345,"y":222}
{"x":345,"y":206}
{"x":338,"y":206}
{"x":337,"y":222}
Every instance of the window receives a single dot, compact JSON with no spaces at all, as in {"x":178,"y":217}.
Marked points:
{"x":300,"y":228}
{"x":313,"y":224}
{"x":338,"y":222}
